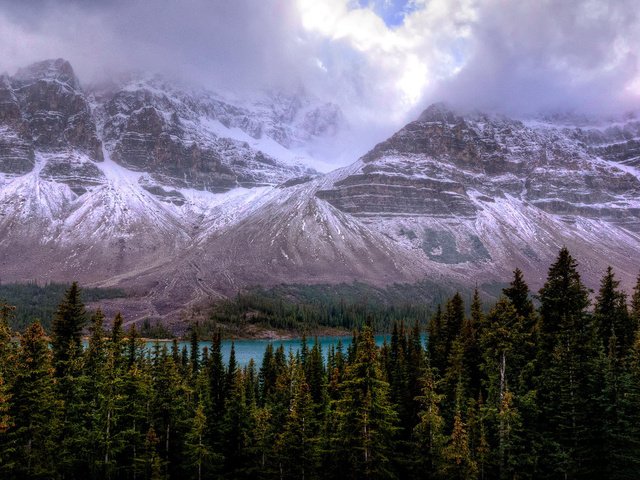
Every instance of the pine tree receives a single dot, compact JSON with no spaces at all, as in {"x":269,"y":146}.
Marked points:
{"x":150,"y":463}
{"x":429,"y":432}
{"x":611,"y":316}
{"x":261,"y":442}
{"x":96,"y":351}
{"x":437,"y":344}
{"x":316,"y":376}
{"x":566,"y":361}
{"x":502,"y":342}
{"x":458,"y":462}
{"x":6,"y":450}
{"x":563,"y":299}
{"x":217,"y":394}
{"x":623,"y":394}
{"x":198,"y":452}
{"x":635,"y":306}
{"x":518,"y":293}
{"x":6,"y":334}
{"x":453,"y":320}
{"x":7,"y":350}
{"x":34,"y":407}
{"x":117,"y":344}
{"x":268,"y":373}
{"x":137,"y":390}
{"x":167,"y":404}
{"x":235,"y":426}
{"x":194,"y":350}
{"x":296,"y":443}
{"x":134,"y":346}
{"x":366,"y":420}
{"x":67,"y":328}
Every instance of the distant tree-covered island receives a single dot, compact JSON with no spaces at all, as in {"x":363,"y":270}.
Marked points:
{"x":512,"y":391}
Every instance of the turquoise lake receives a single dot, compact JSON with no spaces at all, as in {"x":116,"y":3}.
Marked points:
{"x":248,"y":349}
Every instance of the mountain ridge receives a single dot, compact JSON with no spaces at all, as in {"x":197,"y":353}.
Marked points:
{"x":135,"y":186}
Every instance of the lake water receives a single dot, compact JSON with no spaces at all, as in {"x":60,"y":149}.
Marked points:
{"x":248,"y":349}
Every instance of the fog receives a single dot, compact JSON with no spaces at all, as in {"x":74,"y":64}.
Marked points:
{"x":381,"y":61}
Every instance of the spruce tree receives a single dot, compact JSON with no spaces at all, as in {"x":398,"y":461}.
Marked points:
{"x":437,"y":344}
{"x":34,"y":408}
{"x":366,"y":419}
{"x":458,"y":462}
{"x":635,"y":306}
{"x":67,"y":326}
{"x":566,"y":362}
{"x":217,"y":394}
{"x":235,"y":426}
{"x":297,"y":453}
{"x":194,"y":350}
{"x":611,"y":316}
{"x":429,"y":432}
{"x":138,"y":392}
{"x":315,"y":374}
{"x":6,"y":343}
{"x":167,"y":404}
{"x":563,"y":299}
{"x":518,"y":293}
{"x":197,"y":450}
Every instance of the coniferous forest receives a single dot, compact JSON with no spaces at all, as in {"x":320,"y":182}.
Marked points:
{"x":514,"y":390}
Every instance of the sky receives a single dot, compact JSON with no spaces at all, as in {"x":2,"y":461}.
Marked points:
{"x":382,"y":61}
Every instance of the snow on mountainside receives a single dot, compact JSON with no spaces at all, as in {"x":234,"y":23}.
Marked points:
{"x":180,"y":195}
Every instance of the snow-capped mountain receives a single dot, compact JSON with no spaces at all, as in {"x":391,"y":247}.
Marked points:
{"x":180,"y":195}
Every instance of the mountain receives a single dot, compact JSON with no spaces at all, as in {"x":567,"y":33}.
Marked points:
{"x":181,"y":195}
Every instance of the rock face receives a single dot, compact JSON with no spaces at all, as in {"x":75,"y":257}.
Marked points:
{"x":180,"y":195}
{"x":54,"y":108}
{"x":439,"y":164}
{"x":152,"y":127}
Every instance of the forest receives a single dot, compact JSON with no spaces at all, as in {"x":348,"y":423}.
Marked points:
{"x":515,"y":390}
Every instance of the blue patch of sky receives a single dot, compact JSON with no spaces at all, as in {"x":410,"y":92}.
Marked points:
{"x":393,"y":12}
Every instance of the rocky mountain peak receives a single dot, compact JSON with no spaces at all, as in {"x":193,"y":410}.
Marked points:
{"x":57,"y":69}
{"x":438,"y":112}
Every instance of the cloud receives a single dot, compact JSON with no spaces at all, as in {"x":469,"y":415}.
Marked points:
{"x":381,"y":60}
{"x":531,"y":56}
{"x":239,"y":43}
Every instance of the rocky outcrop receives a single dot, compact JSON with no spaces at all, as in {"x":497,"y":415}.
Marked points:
{"x":178,"y":136}
{"x":55,"y":109}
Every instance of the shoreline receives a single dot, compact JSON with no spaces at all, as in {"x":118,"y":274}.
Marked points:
{"x":254,"y":333}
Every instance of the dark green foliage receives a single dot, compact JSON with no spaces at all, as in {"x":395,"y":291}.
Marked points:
{"x":67,"y":327}
{"x":302,"y":308}
{"x":366,"y":421}
{"x":518,"y":293}
{"x":611,"y":316}
{"x":34,"y":301}
{"x":512,"y":393}
{"x":34,"y":409}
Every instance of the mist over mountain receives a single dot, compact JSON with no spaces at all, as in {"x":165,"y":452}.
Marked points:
{"x":383,"y":63}
{"x":182,"y":195}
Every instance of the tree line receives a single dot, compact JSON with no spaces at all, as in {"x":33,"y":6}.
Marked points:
{"x":517,"y":392}
{"x":272,"y":309}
